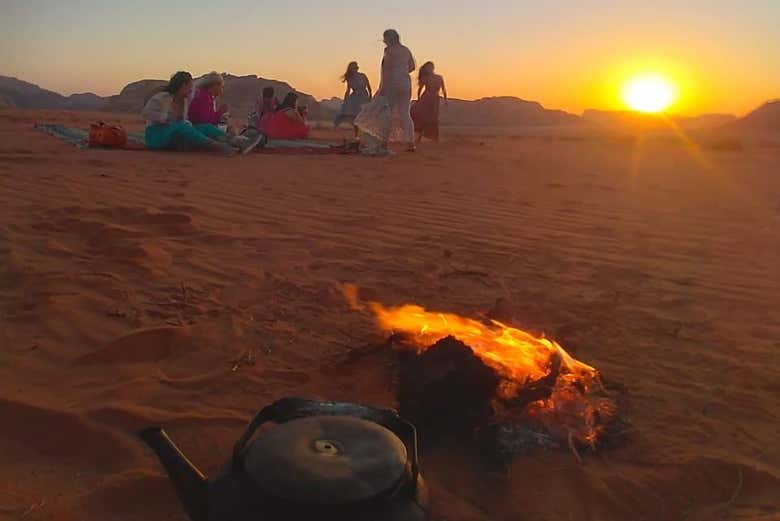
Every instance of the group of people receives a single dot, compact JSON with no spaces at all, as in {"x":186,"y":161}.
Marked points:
{"x":185,"y":115}
{"x":394,"y":94}
{"x":274,"y":120}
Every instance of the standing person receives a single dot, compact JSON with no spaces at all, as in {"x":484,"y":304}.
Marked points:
{"x":396,"y":84}
{"x":358,"y":93}
{"x":166,"y":120}
{"x":167,"y":127}
{"x":425,"y":113}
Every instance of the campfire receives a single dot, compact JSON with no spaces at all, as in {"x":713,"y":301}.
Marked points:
{"x":508,"y":388}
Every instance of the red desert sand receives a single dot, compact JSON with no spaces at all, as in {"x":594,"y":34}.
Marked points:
{"x":188,"y":291}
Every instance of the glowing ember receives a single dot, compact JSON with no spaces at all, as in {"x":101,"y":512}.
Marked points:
{"x":576,"y":409}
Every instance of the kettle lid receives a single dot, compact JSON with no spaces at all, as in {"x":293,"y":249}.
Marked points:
{"x":327,"y":459}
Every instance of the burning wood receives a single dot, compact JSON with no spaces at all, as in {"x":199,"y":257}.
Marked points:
{"x":446,"y":389}
{"x":497,"y":383}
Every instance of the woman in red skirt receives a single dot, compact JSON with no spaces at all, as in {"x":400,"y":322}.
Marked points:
{"x":425,"y":112}
{"x":288,"y":120}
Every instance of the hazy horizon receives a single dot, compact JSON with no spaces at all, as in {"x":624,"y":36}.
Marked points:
{"x":571,"y":57}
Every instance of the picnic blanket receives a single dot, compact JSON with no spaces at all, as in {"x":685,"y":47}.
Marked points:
{"x":307,"y":146}
{"x":79,"y":137}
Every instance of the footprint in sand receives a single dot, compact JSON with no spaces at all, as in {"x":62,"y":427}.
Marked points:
{"x":65,"y":437}
{"x":144,"y":346}
{"x":120,"y":493}
{"x":294,"y":377}
{"x":23,"y":160}
{"x":167,"y":218}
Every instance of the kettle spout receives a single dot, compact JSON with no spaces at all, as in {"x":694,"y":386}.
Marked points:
{"x":190,"y":484}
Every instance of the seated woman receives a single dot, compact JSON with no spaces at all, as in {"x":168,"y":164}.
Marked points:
{"x":203,"y":109}
{"x":287,"y":121}
{"x":425,"y":112}
{"x":167,"y":127}
{"x":257,"y":121}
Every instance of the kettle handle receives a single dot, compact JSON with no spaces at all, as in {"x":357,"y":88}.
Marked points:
{"x":288,"y":409}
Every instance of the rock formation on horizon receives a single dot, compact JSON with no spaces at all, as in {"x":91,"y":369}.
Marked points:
{"x":6,"y":102}
{"x":765,"y":117}
{"x":638,"y":121}
{"x":15,"y":93}
{"x":502,"y":111}
{"x":84,"y":101}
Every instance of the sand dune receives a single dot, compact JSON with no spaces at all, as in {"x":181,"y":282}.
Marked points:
{"x":143,"y":288}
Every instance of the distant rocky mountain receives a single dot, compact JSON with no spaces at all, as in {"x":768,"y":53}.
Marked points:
{"x":637,"y":121}
{"x":765,"y":117}
{"x":20,"y":94}
{"x":133,"y":96}
{"x":85,"y":101}
{"x":706,"y":121}
{"x":16,"y":93}
{"x":503,"y":112}
{"x":332,"y":105}
{"x":489,"y":112}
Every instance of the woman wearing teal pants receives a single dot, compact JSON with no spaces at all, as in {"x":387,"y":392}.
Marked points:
{"x":167,"y":126}
{"x":168,"y":135}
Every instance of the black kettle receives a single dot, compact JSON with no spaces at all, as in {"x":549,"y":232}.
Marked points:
{"x":320,"y":461}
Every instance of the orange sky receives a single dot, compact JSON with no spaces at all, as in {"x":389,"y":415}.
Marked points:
{"x":569,"y":54}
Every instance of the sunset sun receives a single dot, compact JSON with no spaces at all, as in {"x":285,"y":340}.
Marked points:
{"x":649,"y":93}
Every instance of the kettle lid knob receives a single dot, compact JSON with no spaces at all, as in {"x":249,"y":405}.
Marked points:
{"x":327,"y":459}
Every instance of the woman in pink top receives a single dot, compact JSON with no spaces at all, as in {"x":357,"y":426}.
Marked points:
{"x":203,"y":109}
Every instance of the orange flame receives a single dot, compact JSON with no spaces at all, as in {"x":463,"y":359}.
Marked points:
{"x":518,"y":356}
{"x":350,"y":292}
{"x":576,"y":408}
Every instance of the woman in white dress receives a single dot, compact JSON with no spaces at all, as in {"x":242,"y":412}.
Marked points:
{"x":393,"y":98}
{"x":396,"y":83}
{"x":394,"y":95}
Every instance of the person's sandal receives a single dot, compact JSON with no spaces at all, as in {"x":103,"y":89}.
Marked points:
{"x":252,"y":144}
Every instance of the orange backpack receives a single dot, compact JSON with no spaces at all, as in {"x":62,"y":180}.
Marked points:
{"x":111,"y":136}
